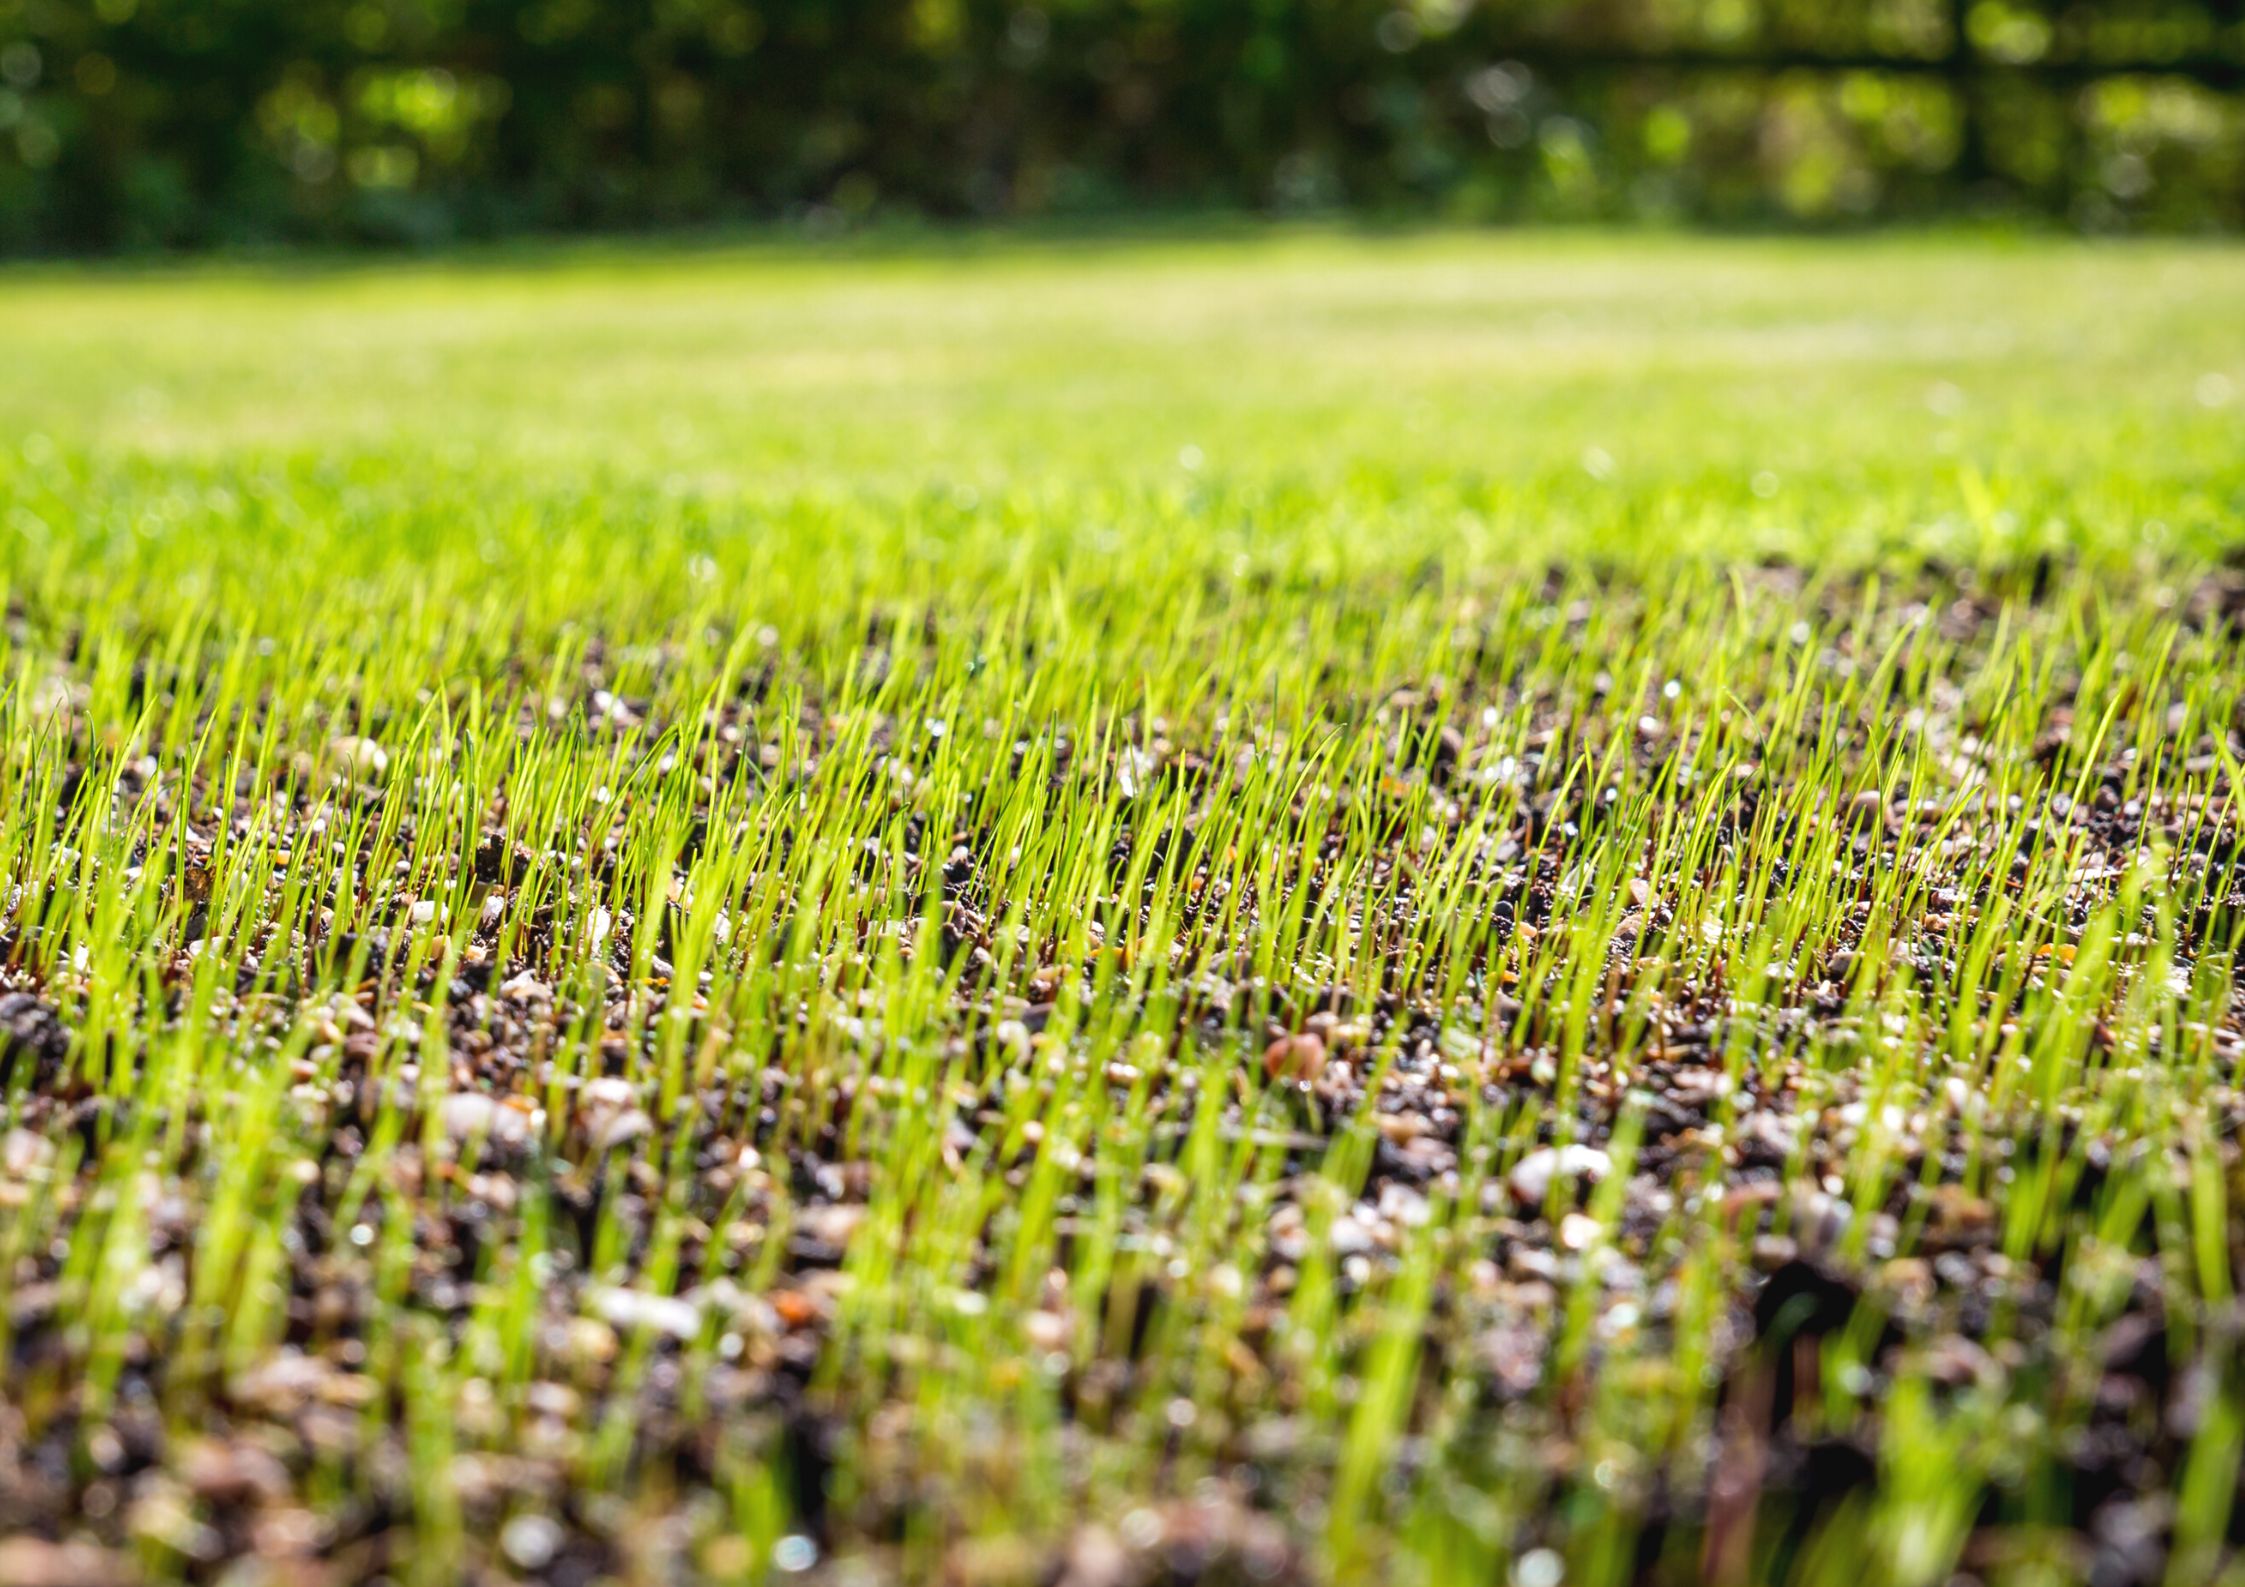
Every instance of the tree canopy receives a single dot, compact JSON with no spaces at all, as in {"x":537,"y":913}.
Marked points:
{"x":164,"y":123}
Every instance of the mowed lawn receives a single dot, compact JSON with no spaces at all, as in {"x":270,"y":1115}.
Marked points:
{"x":1446,"y":907}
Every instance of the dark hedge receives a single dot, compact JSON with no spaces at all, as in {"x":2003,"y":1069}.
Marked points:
{"x":128,"y":124}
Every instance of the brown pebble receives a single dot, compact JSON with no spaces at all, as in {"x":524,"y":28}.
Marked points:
{"x":232,"y":1473}
{"x":795,"y":1309}
{"x":1294,"y":1058}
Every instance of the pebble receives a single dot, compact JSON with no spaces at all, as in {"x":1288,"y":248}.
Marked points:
{"x":1294,"y":1058}
{"x":1532,"y":1177}
{"x":526,"y":988}
{"x":621,"y":1129}
{"x":530,"y":1542}
{"x":363,"y":756}
{"x":634,"y":1308}
{"x":471,"y":1115}
{"x":23,"y":1153}
{"x":232,"y":1473}
{"x":1350,"y":1237}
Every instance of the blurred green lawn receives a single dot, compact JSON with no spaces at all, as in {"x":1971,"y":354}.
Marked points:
{"x":1734,"y":392}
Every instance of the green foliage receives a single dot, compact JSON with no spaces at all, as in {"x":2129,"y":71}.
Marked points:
{"x":146,"y":123}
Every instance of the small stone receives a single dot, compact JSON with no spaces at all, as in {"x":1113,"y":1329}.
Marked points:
{"x":530,"y":1542}
{"x":831,"y":1224}
{"x":470,"y":1116}
{"x":621,"y":1129}
{"x":1350,"y":1237}
{"x":1401,"y":1204}
{"x":1539,"y":1567}
{"x":526,"y":988}
{"x":282,"y":1383}
{"x":794,"y":1554}
{"x":794,"y":1308}
{"x":1299,"y":1057}
{"x":1532,"y":1177}
{"x":23,"y":1153}
{"x":667,"y":1314}
{"x":362,"y":756}
{"x":232,"y":1473}
{"x":1046,"y":1331}
{"x":609,"y":1092}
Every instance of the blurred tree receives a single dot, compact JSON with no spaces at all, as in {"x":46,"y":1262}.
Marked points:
{"x":161,"y":123}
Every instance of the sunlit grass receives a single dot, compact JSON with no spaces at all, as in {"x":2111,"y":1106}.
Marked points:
{"x":942,"y":913}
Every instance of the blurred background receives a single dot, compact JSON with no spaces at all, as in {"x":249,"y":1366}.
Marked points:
{"x":133,"y":125}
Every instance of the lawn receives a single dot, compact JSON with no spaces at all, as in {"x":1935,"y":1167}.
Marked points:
{"x":1433,"y":908}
